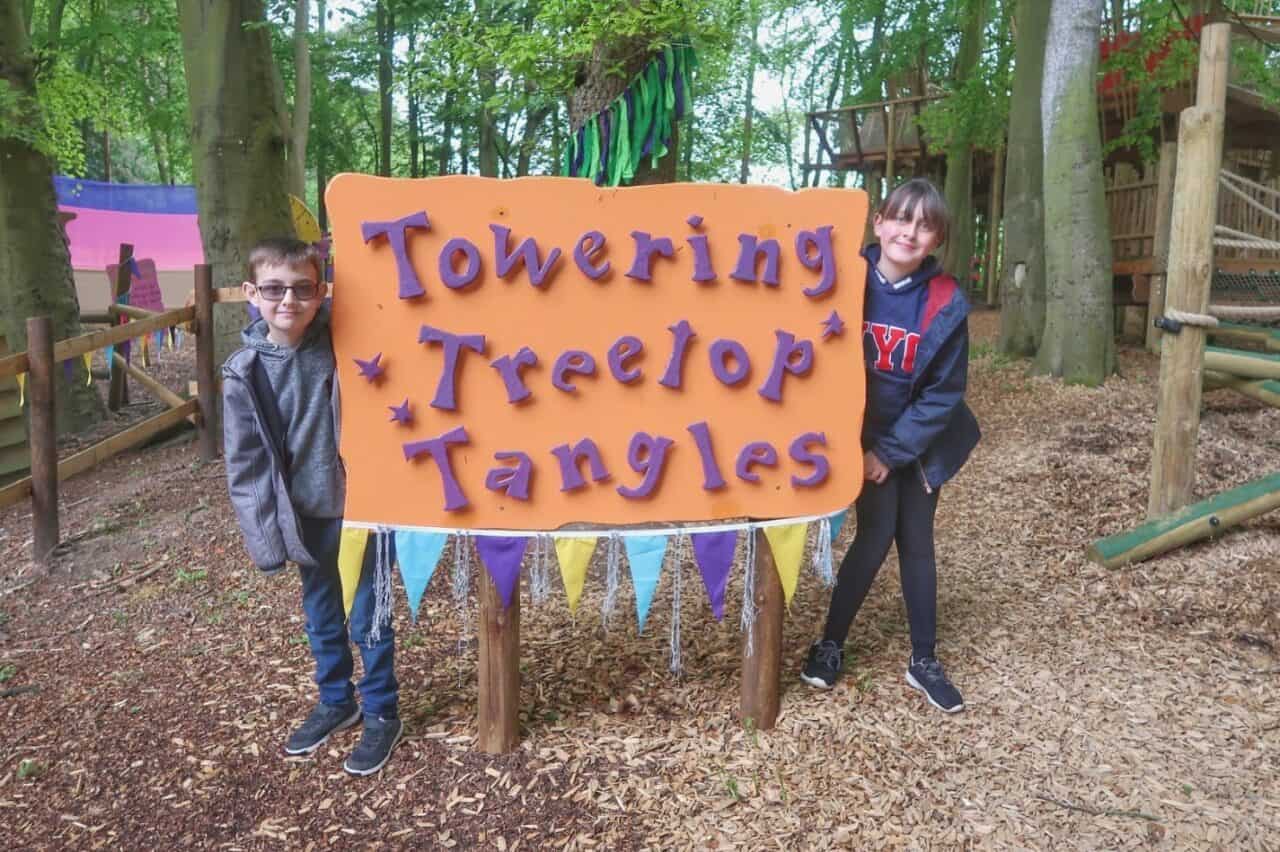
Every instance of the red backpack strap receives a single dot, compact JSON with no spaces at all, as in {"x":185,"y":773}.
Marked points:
{"x":941,"y":289}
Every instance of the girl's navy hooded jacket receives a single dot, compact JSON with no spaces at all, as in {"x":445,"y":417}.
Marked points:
{"x":915,"y":336}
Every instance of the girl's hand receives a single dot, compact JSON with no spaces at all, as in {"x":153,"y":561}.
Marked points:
{"x":873,"y":469}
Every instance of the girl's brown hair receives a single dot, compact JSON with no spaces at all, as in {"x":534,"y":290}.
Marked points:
{"x":921,"y":197}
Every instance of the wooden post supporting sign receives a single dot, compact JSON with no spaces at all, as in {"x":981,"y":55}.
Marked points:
{"x":118,"y":394}
{"x":499,"y":712}
{"x":44,"y":439}
{"x":206,"y":387}
{"x":762,"y":667}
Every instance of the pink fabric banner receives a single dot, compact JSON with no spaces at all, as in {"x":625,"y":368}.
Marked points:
{"x":172,"y":240}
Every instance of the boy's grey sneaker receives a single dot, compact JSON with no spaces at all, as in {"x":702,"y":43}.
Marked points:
{"x":324,"y":720}
{"x":826,"y":661}
{"x":379,"y":738}
{"x":926,"y":675}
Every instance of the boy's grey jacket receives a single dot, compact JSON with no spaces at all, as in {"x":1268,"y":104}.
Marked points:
{"x":254,"y":447}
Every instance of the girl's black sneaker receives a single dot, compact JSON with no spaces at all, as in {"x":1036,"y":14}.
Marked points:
{"x":926,"y":675}
{"x":826,"y":661}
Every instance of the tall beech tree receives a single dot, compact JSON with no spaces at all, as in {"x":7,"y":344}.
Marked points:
{"x":959,"y":186}
{"x":35,"y":265}
{"x":1079,"y":329}
{"x":1022,"y":286}
{"x":237,"y":140}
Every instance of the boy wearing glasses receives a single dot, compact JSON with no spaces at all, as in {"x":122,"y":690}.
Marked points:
{"x":288,"y":486}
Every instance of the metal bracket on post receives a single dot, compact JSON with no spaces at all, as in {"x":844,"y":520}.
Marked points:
{"x":1169,"y":326}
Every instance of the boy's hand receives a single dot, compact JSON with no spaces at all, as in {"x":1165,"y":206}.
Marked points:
{"x":873,"y":469}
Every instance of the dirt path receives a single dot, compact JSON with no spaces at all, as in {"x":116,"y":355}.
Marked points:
{"x":150,"y":680}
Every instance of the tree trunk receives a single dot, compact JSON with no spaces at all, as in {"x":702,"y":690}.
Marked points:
{"x":1022,"y":290}
{"x":446,"y":134}
{"x":301,"y":99}
{"x":237,"y":141}
{"x":322,"y":141}
{"x":959,"y":188}
{"x":748,"y":92}
{"x":386,"y":42}
{"x":415,"y":120}
{"x":1079,"y":337}
{"x":487,"y":80}
{"x":534,"y":118}
{"x":35,"y":264}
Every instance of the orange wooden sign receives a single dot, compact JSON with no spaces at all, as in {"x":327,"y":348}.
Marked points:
{"x":525,"y":354}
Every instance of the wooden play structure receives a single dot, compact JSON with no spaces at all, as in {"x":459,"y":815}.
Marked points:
{"x":39,"y":364}
{"x":1187,"y":319}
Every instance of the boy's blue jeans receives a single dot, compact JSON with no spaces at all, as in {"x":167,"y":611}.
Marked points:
{"x":327,"y":628}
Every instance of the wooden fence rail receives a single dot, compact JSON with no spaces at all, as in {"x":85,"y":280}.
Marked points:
{"x":39,"y":362}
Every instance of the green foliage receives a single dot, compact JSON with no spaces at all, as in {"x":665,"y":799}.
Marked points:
{"x":30,"y":769}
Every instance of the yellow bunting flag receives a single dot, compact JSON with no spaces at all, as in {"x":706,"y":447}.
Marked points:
{"x":22,"y":387}
{"x":88,"y":368}
{"x":350,"y":559}
{"x":787,"y":543}
{"x":574,"y":554}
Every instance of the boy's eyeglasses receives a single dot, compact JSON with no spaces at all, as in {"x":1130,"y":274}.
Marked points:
{"x":275,"y":292}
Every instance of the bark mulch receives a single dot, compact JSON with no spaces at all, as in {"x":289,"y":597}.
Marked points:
{"x":150,"y":679}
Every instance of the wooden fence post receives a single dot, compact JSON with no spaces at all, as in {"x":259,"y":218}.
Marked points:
{"x":118,"y":394}
{"x":499,"y":693}
{"x":206,"y":386}
{"x":44,"y":439}
{"x":762,"y":668}
{"x":1195,"y":212}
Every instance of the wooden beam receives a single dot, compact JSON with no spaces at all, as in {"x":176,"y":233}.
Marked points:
{"x":44,"y":440}
{"x":206,"y":379}
{"x":118,"y":393}
{"x":139,"y":433}
{"x":130,"y":311}
{"x":1167,"y":170}
{"x":499,"y":693}
{"x":761,"y":670}
{"x":1263,"y":390}
{"x":1239,"y":362}
{"x":94,"y":340}
{"x":1192,"y":523}
{"x":159,"y":391}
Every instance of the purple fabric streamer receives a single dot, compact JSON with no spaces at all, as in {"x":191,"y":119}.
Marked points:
{"x":66,"y":370}
{"x":714,"y":553}
{"x":581,"y":152}
{"x":501,"y":556}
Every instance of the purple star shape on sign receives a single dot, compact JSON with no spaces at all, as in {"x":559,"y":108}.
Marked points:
{"x":371,"y":369}
{"x":832,"y":326}
{"x":401,"y":413}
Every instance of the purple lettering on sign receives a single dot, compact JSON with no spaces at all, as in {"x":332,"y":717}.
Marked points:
{"x":511,"y":368}
{"x":457,"y":280}
{"x":572,"y":362}
{"x":453,"y":344}
{"x":646,"y":248}
{"x":590,"y":244}
{"x":800,"y":452}
{"x":674,"y":376}
{"x":526,"y":253}
{"x":623,"y":350}
{"x":396,"y":232}
{"x":711,"y":478}
{"x":755,"y":453}
{"x":513,"y":480}
{"x":438,"y":449}
{"x":750,"y":247}
{"x":721,"y":353}
{"x":647,"y":455}
{"x":702,"y":269}
{"x":824,"y":262}
{"x":570,"y":457}
{"x":791,"y":357}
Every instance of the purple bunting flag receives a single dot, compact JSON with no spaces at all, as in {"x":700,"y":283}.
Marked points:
{"x":714,"y":553}
{"x":501,"y":556}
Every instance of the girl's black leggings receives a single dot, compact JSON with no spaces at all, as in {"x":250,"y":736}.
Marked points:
{"x":898,"y":510}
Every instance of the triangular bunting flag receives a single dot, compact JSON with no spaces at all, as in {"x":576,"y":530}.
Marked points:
{"x":350,"y":560}
{"x":714,"y":554}
{"x":574,"y":554}
{"x":644,"y":554}
{"x":88,"y":368}
{"x":837,"y":522}
{"x":418,"y":553}
{"x":501,"y":555}
{"x":787,"y":544}
{"x":22,"y":387}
